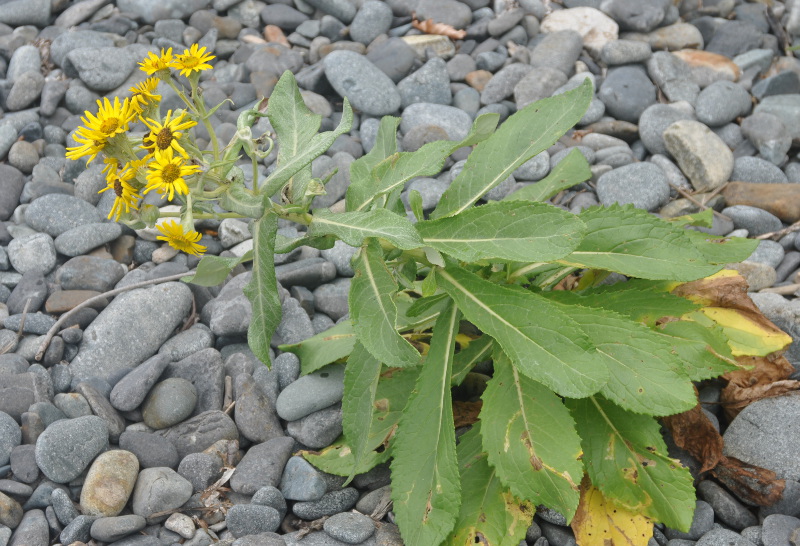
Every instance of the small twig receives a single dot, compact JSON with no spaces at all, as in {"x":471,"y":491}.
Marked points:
{"x":775,"y":235}
{"x":227,"y":397}
{"x":19,"y":331}
{"x":94,"y":299}
{"x":689,"y":196}
{"x":785,"y":290}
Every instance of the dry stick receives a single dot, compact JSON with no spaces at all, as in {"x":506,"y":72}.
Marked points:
{"x":688,"y":196}
{"x":94,"y":299}
{"x":781,"y":232}
{"x":10,"y":344}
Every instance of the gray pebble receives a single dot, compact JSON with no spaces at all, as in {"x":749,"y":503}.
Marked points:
{"x":159,"y":489}
{"x":10,"y":437}
{"x":722,"y":102}
{"x":754,"y":169}
{"x":88,"y":436}
{"x":168,"y":403}
{"x":350,"y":527}
{"x":627,"y":92}
{"x":726,"y":507}
{"x":254,"y":413}
{"x":301,"y":481}
{"x":117,"y":527}
{"x":55,"y":214}
{"x":756,"y":221}
{"x":373,"y":19}
{"x":150,"y":449}
{"x":262,"y":465}
{"x":81,"y":239}
{"x":23,"y":156}
{"x":355,"y":77}
{"x":702,"y":522}
{"x":331,"y":298}
{"x":318,"y":429}
{"x":35,"y":253}
{"x":331,"y":503}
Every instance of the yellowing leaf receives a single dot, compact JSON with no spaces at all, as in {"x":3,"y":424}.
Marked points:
{"x":748,"y":335}
{"x":598,"y":521}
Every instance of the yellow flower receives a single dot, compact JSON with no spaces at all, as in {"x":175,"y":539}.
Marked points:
{"x":111,"y":120}
{"x":144,"y":94}
{"x":179,"y":239}
{"x":166,"y":175}
{"x":164,"y":136}
{"x":154,"y":63}
{"x":127,"y":197}
{"x":193,"y":59}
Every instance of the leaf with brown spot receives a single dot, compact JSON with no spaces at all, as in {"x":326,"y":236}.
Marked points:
{"x":766,"y":377}
{"x":429,"y":26}
{"x":695,"y":433}
{"x":466,"y":413}
{"x":599,"y":521}
{"x":752,"y":484}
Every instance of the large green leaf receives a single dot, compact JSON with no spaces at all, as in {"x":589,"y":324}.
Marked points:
{"x":516,"y":230}
{"x":322,"y":349}
{"x":295,"y":125}
{"x":571,"y":170}
{"x":373,"y":310}
{"x":528,"y":132}
{"x":239,"y":199}
{"x":362,"y":185}
{"x":531,"y":439}
{"x":722,"y":250}
{"x":489,"y":514}
{"x":702,"y":348}
{"x":360,"y":386}
{"x":426,"y":488}
{"x":394,"y":387}
{"x":212,"y":270}
{"x":313,"y":149}
{"x":541,"y":339}
{"x":354,"y":227}
{"x":262,"y":290}
{"x":392,"y":173}
{"x":626,"y":458}
{"x":633,"y":242}
{"x":645,"y":372}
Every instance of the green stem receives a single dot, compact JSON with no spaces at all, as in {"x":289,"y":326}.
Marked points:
{"x":203,"y":215}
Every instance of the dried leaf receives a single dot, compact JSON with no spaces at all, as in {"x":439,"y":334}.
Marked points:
{"x":466,"y":413}
{"x":599,"y":521}
{"x":429,"y":26}
{"x":752,"y":484}
{"x":766,"y":377}
{"x":695,"y":433}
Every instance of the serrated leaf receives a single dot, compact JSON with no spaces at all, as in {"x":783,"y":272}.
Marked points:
{"x":530,"y":439}
{"x":295,"y":125}
{"x":635,"y":243}
{"x":746,"y":336}
{"x":722,"y":250}
{"x":354,"y":227}
{"x":322,"y":349}
{"x":338,"y":459}
{"x":477,"y":351}
{"x":313,"y":149}
{"x":426,"y":488}
{"x":360,"y":385}
{"x":703,"y":349}
{"x":389,"y":175}
{"x":239,"y":199}
{"x":262,"y":290}
{"x":570,"y":171}
{"x":523,"y":135}
{"x":626,"y":458}
{"x":489,"y":514}
{"x":645,"y":375}
{"x":373,"y":311}
{"x":212,"y":270}
{"x":600,"y":521}
{"x":517,"y":230}
{"x":542,"y":341}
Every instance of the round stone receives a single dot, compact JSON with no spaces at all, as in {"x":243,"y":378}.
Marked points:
{"x":355,"y":77}
{"x":66,"y":447}
{"x":627,"y":91}
{"x":10,"y":437}
{"x":643,"y":185}
{"x":33,"y":253}
{"x":109,"y":483}
{"x":169,"y":402}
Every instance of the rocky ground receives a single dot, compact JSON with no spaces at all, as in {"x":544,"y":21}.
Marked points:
{"x":126,"y":423}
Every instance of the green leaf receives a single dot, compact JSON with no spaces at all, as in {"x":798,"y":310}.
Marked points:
{"x":295,"y":126}
{"x":528,"y":132}
{"x":425,"y":303}
{"x":239,"y":199}
{"x":635,"y":243}
{"x":392,"y":172}
{"x":626,"y":458}
{"x":415,"y":202}
{"x":354,"y":227}
{"x":645,"y":375}
{"x":704,"y":218}
{"x":315,"y":147}
{"x":360,"y":386}
{"x":426,"y":489}
{"x":477,"y":351}
{"x":373,"y":310}
{"x":702,"y":348}
{"x":489,"y":513}
{"x":722,"y":250}
{"x":213,"y":270}
{"x":541,"y":340}
{"x":394,"y":387}
{"x":322,"y":349}
{"x":285,"y":244}
{"x":518,"y":230}
{"x":262,"y":290}
{"x":570,"y":171}
{"x":530,"y":439}
{"x":361,"y":188}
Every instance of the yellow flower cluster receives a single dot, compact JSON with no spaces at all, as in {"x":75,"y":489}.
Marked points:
{"x":160,"y":161}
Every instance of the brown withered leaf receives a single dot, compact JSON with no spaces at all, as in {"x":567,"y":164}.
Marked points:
{"x":752,"y":484}
{"x":466,"y":413}
{"x":429,"y":26}
{"x":766,"y":377}
{"x":695,"y":433}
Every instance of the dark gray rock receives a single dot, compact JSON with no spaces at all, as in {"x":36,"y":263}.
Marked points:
{"x":627,"y":91}
{"x":252,"y":519}
{"x":131,"y":390}
{"x":726,"y":508}
{"x":254,"y":413}
{"x":86,"y":436}
{"x":431,"y":83}
{"x":262,"y":466}
{"x":756,"y":221}
{"x":722,"y":102}
{"x":200,"y":432}
{"x":56,"y":213}
{"x":355,"y":77}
